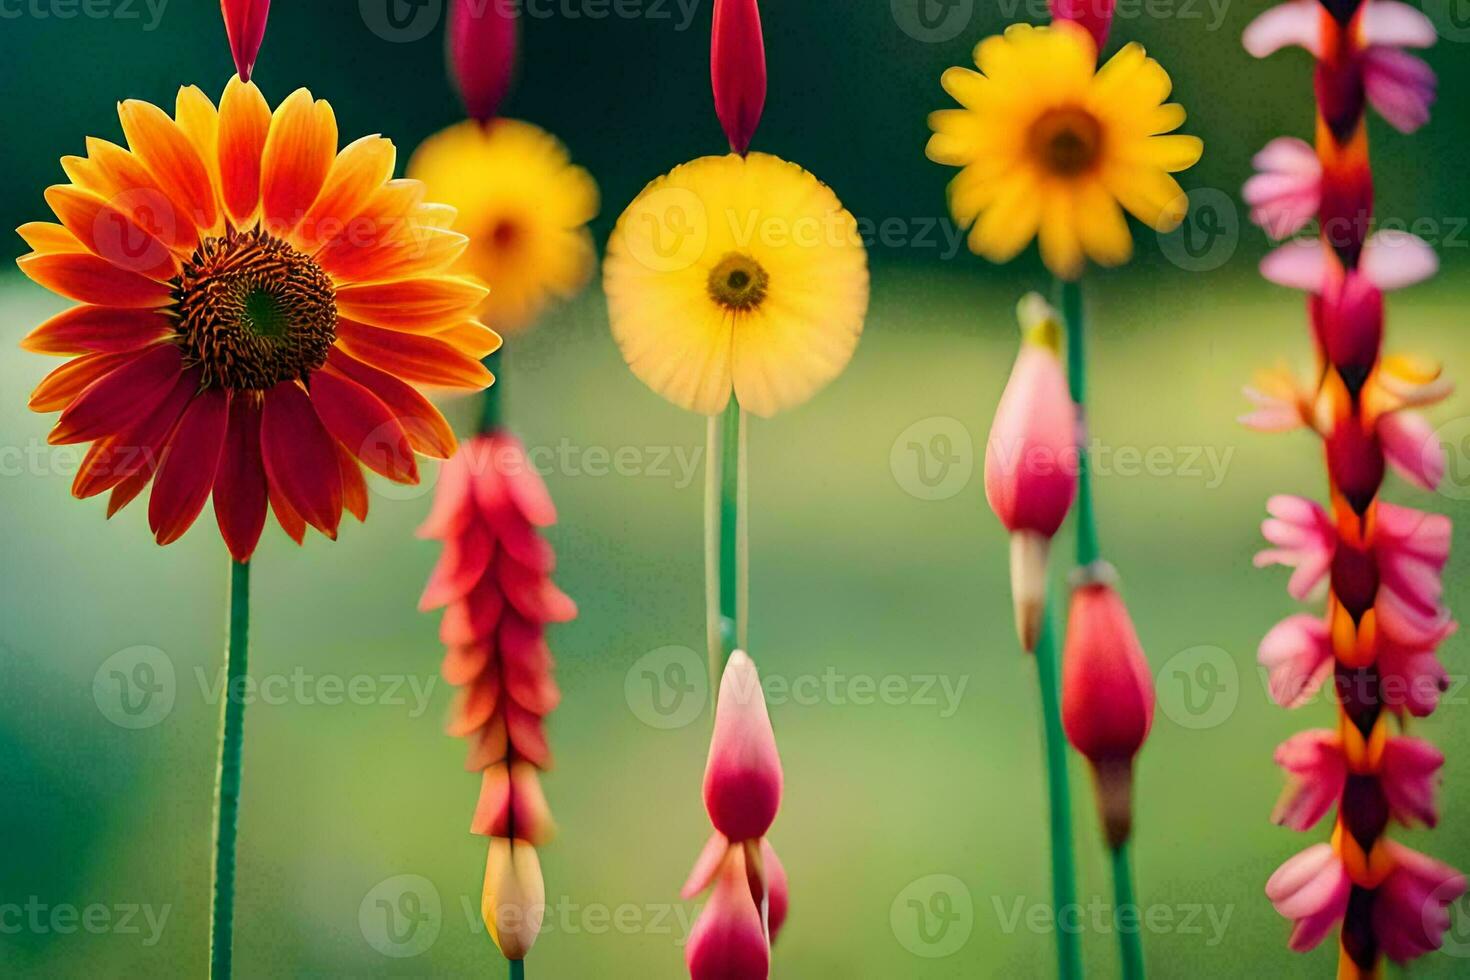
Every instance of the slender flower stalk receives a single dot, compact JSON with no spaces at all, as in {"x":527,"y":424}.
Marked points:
{"x":1381,"y":564}
{"x":228,"y":775}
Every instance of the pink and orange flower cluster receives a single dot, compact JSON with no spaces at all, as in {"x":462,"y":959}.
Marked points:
{"x":1381,"y":563}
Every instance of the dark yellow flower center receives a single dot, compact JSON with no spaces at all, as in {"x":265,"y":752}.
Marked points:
{"x":505,"y":234}
{"x":1067,"y":141}
{"x":738,"y":282}
{"x":254,"y":312}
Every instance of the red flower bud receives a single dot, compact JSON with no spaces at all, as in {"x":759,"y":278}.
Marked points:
{"x":737,"y":69}
{"x":483,"y":38}
{"x":245,"y":25}
{"x":1107,"y":693}
{"x":1094,"y":15}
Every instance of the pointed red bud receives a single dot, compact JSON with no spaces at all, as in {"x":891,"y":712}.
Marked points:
{"x":737,"y":68}
{"x":742,"y":779}
{"x":728,"y":942}
{"x":245,"y":25}
{"x":1107,"y":693}
{"x":483,"y":42}
{"x":1096,"y":16}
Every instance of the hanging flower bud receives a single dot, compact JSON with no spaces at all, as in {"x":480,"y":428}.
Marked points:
{"x":1031,"y":460}
{"x":1107,"y":693}
{"x":728,"y":941}
{"x":742,"y":779}
{"x":245,"y":26}
{"x":483,"y":38}
{"x":514,"y":900}
{"x":1094,"y":15}
{"x":737,"y":68}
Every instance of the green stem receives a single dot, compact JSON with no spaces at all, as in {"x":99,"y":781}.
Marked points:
{"x":490,"y":403}
{"x":726,"y":551}
{"x":1130,"y":941}
{"x":227,"y":778}
{"x":517,"y":970}
{"x":730,"y":529}
{"x":1063,"y":865}
{"x":1074,"y":315}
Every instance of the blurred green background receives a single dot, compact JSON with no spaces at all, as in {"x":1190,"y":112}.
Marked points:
{"x":876,"y":566}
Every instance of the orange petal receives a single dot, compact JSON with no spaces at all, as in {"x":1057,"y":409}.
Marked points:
{"x":300,"y":459}
{"x":186,"y":472}
{"x":420,"y":305}
{"x":354,"y":487}
{"x":120,"y":398}
{"x":286,"y":515}
{"x":244,"y":121}
{"x":171,"y":158}
{"x":112,"y":233}
{"x":59,"y":388}
{"x":199,"y":120}
{"x":124,"y":493}
{"x":239,"y":483}
{"x":88,"y":278}
{"x":47,"y":236}
{"x":356,"y":175}
{"x":472,"y":338}
{"x":84,"y":329}
{"x":425,"y":360}
{"x":128,"y":186}
{"x":297,"y":157}
{"x":387,"y":222}
{"x":428,"y":432}
{"x":360,"y":421}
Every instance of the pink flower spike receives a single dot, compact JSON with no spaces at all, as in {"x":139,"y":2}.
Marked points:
{"x":1394,"y":259}
{"x":737,"y":68}
{"x":1299,"y":264}
{"x":1312,"y":890}
{"x":1297,"y":655}
{"x":1410,"y":779}
{"x":1400,"y":86}
{"x":1316,"y":772}
{"x":1286,"y":191}
{"x":1412,"y":447}
{"x":728,"y":941}
{"x":1305,"y":539}
{"x":742,"y":779}
{"x":1294,"y":22}
{"x":1411,"y":907}
{"x":483,"y":43}
{"x":245,"y":26}
{"x":1395,"y":24}
{"x":1094,"y":15}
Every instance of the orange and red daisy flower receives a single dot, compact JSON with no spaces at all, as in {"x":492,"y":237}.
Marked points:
{"x":257,"y":308}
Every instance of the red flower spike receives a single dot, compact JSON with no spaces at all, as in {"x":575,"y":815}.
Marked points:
{"x":1094,"y":15}
{"x":245,"y":25}
{"x":737,"y":69}
{"x":483,"y":43}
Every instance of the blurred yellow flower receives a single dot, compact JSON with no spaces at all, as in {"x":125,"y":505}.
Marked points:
{"x":1051,"y":146}
{"x":525,"y":208}
{"x":740,"y":274}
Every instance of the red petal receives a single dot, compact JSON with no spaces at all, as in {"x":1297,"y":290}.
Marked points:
{"x":87,"y":278}
{"x":461,"y":566}
{"x":482,"y":54}
{"x":245,"y":26}
{"x":474,"y":705}
{"x":61,"y":387}
{"x":524,"y":484}
{"x":87,"y":329}
{"x":137,"y":449}
{"x":534,"y":596}
{"x":354,"y":487}
{"x":300,"y":458}
{"x":286,"y":515}
{"x":737,"y":67}
{"x":112,"y":233}
{"x":463,"y":664}
{"x":187,"y":472}
{"x":115,"y":401}
{"x":427,"y":430}
{"x":528,"y":734}
{"x":364,"y":425}
{"x":240,"y":491}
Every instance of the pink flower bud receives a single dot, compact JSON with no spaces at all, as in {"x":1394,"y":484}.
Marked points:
{"x":742,"y":779}
{"x":245,"y":26}
{"x":483,"y":38}
{"x":1107,"y":693}
{"x":737,"y":68}
{"x":1094,"y":15}
{"x":728,"y":941}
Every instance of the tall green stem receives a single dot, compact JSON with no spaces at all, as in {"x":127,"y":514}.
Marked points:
{"x":726,"y":552}
{"x":517,"y":970}
{"x":1130,"y":940}
{"x":1075,"y":317}
{"x":227,"y":778}
{"x":1063,"y":865}
{"x":490,"y":402}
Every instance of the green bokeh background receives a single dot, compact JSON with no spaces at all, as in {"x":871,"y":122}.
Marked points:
{"x":855,"y":574}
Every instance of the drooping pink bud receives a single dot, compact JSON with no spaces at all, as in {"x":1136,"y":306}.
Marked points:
{"x":483,"y":42}
{"x":1031,"y":460}
{"x":742,"y":779}
{"x":737,"y":69}
{"x":728,"y":942}
{"x":1094,"y":15}
{"x":1107,"y":693}
{"x":245,"y":26}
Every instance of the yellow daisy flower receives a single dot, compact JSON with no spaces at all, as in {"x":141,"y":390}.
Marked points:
{"x":740,"y":274}
{"x":525,"y":208}
{"x":1051,"y":145}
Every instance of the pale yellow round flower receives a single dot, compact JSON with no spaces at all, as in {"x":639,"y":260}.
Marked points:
{"x":1051,"y":145}
{"x":525,"y":208}
{"x":736,"y":274}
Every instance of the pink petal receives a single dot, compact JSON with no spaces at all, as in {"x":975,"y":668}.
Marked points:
{"x":1400,"y":86}
{"x":1412,"y":447}
{"x":728,"y":941}
{"x":778,"y":887}
{"x":483,"y":38}
{"x":1294,"y":22}
{"x":1394,"y":259}
{"x":1286,"y":192}
{"x":1030,"y":457}
{"x":1410,"y":779}
{"x":1305,"y":540}
{"x":1316,"y":770}
{"x":1411,"y":908}
{"x":1399,"y":25}
{"x":1411,"y":678}
{"x":1300,"y":264}
{"x":1297,"y":653}
{"x":1312,"y":889}
{"x":706,"y":866}
{"x":742,"y":778}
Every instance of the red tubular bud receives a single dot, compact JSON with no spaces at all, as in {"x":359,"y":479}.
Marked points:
{"x":1094,"y":15}
{"x":737,"y":69}
{"x":483,"y":42}
{"x":245,"y":25}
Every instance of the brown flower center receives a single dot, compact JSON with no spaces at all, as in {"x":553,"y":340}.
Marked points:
{"x":738,"y":282}
{"x":1067,"y":141}
{"x":254,"y":312}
